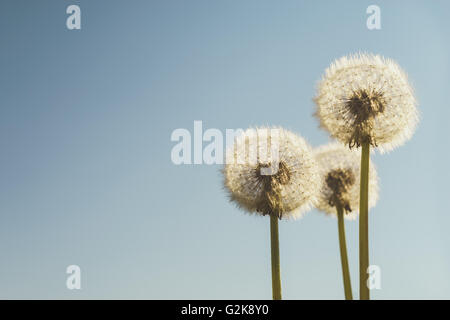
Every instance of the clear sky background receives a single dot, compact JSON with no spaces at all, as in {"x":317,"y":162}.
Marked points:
{"x":86,"y":176}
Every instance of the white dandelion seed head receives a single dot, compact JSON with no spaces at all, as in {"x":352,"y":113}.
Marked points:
{"x":337,"y":160}
{"x":283,"y":181}
{"x":366,"y":97}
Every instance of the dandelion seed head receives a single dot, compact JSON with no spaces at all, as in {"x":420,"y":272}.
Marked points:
{"x":339,"y":170}
{"x":367,"y":98}
{"x":282,"y":183}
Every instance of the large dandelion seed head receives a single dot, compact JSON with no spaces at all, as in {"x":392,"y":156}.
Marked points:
{"x":367,"y":98}
{"x":271,"y":171}
{"x":339,"y":169}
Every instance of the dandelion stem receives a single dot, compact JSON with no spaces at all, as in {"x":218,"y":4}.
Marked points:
{"x":344,"y":258}
{"x":275,"y":254}
{"x":364,"y":223}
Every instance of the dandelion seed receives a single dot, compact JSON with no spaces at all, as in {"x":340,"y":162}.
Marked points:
{"x":281,"y":184}
{"x":367,"y":98}
{"x":287,"y":193}
{"x":339,"y":169}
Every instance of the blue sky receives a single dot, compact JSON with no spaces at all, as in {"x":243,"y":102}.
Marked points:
{"x":85,"y":171}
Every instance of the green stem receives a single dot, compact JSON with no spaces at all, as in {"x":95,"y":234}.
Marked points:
{"x":344,"y":258}
{"x":275,"y":254}
{"x":364,"y":223}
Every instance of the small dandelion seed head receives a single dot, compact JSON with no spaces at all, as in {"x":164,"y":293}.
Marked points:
{"x":367,"y":98}
{"x":277,"y":174}
{"x":339,"y":181}
{"x":339,"y":170}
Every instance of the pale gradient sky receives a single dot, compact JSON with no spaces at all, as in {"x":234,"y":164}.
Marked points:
{"x":85,"y":170}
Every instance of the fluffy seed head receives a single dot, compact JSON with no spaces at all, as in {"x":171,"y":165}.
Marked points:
{"x":271,"y":171}
{"x":339,"y":169}
{"x":367,"y":98}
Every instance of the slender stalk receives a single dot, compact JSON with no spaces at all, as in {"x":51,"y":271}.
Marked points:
{"x":364,"y":223}
{"x":344,"y":258}
{"x":275,"y":254}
